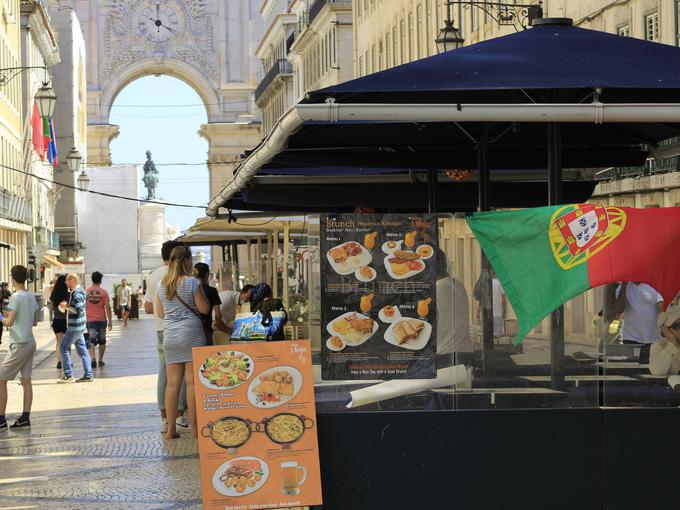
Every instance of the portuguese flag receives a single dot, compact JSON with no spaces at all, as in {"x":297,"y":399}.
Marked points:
{"x":547,"y":255}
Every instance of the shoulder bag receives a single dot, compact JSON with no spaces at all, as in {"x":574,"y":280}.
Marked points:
{"x":207,"y":331}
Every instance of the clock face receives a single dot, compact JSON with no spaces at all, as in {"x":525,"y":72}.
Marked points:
{"x":158,"y":22}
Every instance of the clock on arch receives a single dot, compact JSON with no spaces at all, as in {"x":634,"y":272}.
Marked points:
{"x":159,"y":20}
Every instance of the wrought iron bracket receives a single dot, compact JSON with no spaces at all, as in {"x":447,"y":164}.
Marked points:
{"x":519,"y":16}
{"x":7,"y":74}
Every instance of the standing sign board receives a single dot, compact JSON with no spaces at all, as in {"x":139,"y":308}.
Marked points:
{"x":378,"y":296}
{"x":256,"y":418}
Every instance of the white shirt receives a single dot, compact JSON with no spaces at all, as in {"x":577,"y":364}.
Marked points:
{"x":639,"y":317}
{"x":453,"y":310}
{"x":229,"y":308}
{"x":498,"y":294}
{"x":152,"y":282}
{"x":664,"y":358}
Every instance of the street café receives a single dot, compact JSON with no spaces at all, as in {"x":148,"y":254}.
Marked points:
{"x":424,"y":394}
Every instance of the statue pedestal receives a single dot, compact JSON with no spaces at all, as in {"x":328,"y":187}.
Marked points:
{"x":151,"y":235}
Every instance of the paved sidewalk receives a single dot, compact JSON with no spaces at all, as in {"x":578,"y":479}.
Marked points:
{"x":97,"y":445}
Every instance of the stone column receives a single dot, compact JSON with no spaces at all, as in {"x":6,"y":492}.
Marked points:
{"x":99,"y":137}
{"x":152,"y":235}
{"x":227,"y":141}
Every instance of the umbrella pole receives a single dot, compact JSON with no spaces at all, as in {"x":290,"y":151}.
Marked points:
{"x":432,"y":191}
{"x":486,"y":301}
{"x":557,"y":369}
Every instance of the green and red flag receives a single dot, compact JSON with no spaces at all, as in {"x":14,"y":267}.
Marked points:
{"x":547,"y":255}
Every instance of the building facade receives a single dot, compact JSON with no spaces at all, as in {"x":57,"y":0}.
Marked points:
{"x":15,"y":200}
{"x":40,"y":53}
{"x":306,"y":45}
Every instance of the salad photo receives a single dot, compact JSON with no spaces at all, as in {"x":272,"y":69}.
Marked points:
{"x":226,"y":369}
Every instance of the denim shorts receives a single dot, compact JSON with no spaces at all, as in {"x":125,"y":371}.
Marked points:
{"x":97,"y":331}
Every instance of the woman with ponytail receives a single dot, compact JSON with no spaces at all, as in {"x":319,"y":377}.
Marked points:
{"x":179,"y":302}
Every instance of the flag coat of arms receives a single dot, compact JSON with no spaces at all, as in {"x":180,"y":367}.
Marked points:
{"x":547,"y":255}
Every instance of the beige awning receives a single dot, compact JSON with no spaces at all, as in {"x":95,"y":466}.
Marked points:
{"x":217,"y":230}
{"x":53,"y":262}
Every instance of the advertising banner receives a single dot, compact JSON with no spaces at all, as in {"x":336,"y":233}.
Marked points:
{"x":257,"y":426}
{"x":378,"y":296}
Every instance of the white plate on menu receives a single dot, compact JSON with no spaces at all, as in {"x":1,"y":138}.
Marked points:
{"x":362,"y":278}
{"x":389,"y":320}
{"x":415,"y":344}
{"x":355,"y":338}
{"x":221,"y":486}
{"x":408,"y":274}
{"x":389,"y":251}
{"x":351,"y":264}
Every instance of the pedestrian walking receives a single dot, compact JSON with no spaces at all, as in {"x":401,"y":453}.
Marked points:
{"x":152,"y":283}
{"x":59,"y":301}
{"x":124,"y":294}
{"x":202,"y":273}
{"x":180,"y":298}
{"x":47,"y":292}
{"x":22,"y":314}
{"x":99,"y":318}
{"x":76,"y":322}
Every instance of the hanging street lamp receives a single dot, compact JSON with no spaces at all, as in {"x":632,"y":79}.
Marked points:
{"x":83,"y":181}
{"x":46,"y":101}
{"x":449,"y":37}
{"x":73,"y":159}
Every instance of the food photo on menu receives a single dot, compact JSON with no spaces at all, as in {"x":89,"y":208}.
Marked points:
{"x":256,"y":413}
{"x":378,"y":296}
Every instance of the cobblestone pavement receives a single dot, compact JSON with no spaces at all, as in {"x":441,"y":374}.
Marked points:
{"x":97,"y":446}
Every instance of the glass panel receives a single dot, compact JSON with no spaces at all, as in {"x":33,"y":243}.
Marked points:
{"x":639,"y":349}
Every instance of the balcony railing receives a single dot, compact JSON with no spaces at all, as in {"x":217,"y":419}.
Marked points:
{"x":318,"y":5}
{"x":15,"y":208}
{"x":280,"y":67}
{"x":652,"y":167}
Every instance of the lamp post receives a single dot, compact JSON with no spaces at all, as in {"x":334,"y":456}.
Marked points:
{"x":74,"y":161}
{"x":83,"y":181}
{"x":45,"y":98}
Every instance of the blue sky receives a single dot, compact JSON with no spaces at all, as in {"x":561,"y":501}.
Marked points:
{"x":148,"y":118}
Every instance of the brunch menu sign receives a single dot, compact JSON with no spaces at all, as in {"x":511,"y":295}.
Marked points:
{"x":378,"y":296}
{"x":256,"y":422}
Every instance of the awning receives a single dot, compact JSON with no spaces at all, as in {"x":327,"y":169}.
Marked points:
{"x":52,"y":262}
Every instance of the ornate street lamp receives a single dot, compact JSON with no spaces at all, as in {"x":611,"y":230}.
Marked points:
{"x":45,"y":98}
{"x":83,"y":181}
{"x":73,"y":159}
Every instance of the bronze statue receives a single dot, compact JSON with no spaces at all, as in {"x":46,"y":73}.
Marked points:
{"x":150,"y":178}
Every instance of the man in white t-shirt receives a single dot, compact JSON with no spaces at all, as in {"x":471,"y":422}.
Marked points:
{"x":498,"y":306}
{"x":231,"y":304}
{"x":641,"y":305}
{"x":453,"y":310}
{"x":152,"y":283}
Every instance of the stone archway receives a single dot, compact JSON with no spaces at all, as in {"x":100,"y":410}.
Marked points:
{"x":208,"y":44}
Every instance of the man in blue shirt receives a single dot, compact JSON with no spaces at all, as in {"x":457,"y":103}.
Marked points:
{"x":76,"y":323}
{"x":22,"y":315}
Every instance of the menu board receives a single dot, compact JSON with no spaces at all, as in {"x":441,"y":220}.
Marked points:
{"x":378,"y":296}
{"x":257,"y":426}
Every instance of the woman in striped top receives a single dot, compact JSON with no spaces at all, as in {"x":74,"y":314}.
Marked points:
{"x":179,"y":302}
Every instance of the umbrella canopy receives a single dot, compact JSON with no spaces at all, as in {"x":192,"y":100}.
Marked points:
{"x":433,"y":113}
{"x":552,"y":62}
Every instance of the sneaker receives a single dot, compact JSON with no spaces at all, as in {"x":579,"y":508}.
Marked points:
{"x":21,"y":423}
{"x":3,"y":426}
{"x":67,"y":379}
{"x":102,"y":364}
{"x":164,"y":425}
{"x":85,"y":379}
{"x":94,"y":364}
{"x":182,"y":422}
{"x":58,"y":365}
